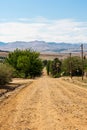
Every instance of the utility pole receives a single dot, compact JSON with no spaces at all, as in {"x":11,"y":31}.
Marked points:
{"x":70,"y":66}
{"x":82,"y":61}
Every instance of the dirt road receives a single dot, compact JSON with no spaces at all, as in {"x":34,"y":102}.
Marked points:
{"x":46,"y":104}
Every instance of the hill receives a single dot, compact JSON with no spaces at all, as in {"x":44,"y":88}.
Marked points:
{"x":43,"y":47}
{"x":2,"y":43}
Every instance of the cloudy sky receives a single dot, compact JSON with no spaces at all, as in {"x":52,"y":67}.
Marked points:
{"x":47,"y":20}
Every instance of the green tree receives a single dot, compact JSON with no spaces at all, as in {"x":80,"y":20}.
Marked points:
{"x":73,"y":65}
{"x":48,"y":67}
{"x":23,"y":65}
{"x":55,"y":67}
{"x":26,"y":63}
{"x":45,"y":63}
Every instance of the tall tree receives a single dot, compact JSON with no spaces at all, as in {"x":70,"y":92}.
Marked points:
{"x":56,"y":67}
{"x":26,"y":62}
{"x":74,"y":63}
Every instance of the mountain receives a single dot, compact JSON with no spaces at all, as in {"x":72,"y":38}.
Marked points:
{"x":2,"y":43}
{"x":43,"y":47}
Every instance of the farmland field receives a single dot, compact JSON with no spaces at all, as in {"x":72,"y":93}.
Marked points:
{"x":48,"y":56}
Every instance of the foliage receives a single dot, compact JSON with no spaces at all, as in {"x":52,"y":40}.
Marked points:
{"x":45,"y":62}
{"x":26,"y":63}
{"x":69,"y":66}
{"x":56,"y":67}
{"x":48,"y":67}
{"x":73,"y":65}
{"x":6,"y":72}
{"x":85,"y":64}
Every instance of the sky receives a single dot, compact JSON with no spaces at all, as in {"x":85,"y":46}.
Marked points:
{"x":43,"y":20}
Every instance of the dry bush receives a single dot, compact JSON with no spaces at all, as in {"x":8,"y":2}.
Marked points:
{"x":5,"y":74}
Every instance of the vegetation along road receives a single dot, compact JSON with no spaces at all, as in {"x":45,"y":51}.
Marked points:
{"x":46,"y":104}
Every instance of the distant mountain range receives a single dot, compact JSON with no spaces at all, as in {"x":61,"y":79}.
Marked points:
{"x":43,"y":47}
{"x":2,"y":44}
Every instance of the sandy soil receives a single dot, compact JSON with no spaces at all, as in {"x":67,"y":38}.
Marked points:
{"x":46,"y":104}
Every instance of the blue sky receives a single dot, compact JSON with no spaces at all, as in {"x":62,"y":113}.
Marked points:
{"x":49,"y":20}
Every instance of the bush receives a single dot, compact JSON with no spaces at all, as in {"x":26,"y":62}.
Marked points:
{"x":45,"y":63}
{"x":55,"y":68}
{"x":5,"y":74}
{"x":73,"y":65}
{"x":57,"y":75}
{"x":26,"y":63}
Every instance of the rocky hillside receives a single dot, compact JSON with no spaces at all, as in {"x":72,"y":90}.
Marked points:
{"x":42,"y":46}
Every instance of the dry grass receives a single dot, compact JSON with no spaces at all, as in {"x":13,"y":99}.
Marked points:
{"x":77,"y":81}
{"x":4,"y":54}
{"x":16,"y":83}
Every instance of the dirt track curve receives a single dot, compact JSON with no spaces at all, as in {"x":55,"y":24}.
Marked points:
{"x":46,"y":104}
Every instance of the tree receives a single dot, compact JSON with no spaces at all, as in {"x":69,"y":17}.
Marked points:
{"x":26,"y":63}
{"x":55,"y":67}
{"x":23,"y":64}
{"x":45,"y":63}
{"x":73,"y":64}
{"x":48,"y":67}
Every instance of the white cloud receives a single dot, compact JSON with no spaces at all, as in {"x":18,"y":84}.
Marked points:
{"x":65,"y":30}
{"x":38,"y":19}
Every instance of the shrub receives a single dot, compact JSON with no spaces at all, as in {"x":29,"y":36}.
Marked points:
{"x":45,"y":63}
{"x":55,"y":68}
{"x":5,"y":74}
{"x":26,"y":63}
{"x":73,"y":65}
